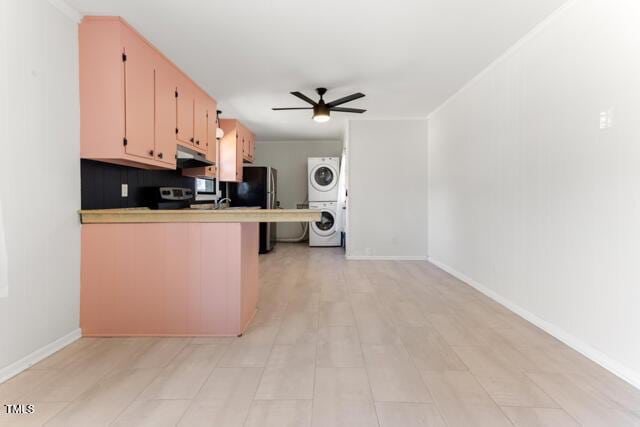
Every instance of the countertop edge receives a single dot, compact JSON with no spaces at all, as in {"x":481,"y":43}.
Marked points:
{"x":146,"y":216}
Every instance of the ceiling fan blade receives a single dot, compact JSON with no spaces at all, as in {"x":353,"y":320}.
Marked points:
{"x":293,"y":108}
{"x":304,"y":98}
{"x":344,"y":100}
{"x":348,"y":110}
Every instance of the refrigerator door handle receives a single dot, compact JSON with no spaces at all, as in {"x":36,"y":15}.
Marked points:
{"x":272,"y":197}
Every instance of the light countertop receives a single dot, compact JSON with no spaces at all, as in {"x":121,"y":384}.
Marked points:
{"x":145,"y":215}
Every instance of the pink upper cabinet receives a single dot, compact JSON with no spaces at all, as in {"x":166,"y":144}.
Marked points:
{"x":139,"y":64}
{"x":185,"y":98}
{"x":135,"y":105}
{"x":166,"y":117}
{"x":200,"y":121}
{"x":208,"y":141}
{"x":236,"y":146}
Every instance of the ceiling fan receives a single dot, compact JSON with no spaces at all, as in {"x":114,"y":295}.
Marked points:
{"x":322,"y":109}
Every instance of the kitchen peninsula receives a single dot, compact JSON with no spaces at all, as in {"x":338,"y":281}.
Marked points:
{"x":172,"y":272}
{"x":146,"y":125}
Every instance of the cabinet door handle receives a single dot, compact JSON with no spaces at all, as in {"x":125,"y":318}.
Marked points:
{"x":197,"y":142}
{"x":151,"y":152}
{"x":160,"y":155}
{"x":191,"y":139}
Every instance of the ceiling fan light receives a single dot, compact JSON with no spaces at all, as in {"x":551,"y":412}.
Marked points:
{"x":321,"y":113}
{"x":321,"y":117}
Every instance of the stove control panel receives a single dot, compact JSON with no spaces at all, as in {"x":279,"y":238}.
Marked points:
{"x":175,"y":193}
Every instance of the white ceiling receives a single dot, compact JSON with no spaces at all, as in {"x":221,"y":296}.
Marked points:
{"x":407,"y":56}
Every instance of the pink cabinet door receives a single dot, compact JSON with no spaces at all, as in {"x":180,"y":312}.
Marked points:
{"x":239,"y":155}
{"x":139,"y":79}
{"x":166,"y":117}
{"x":251,"y":147}
{"x":200,"y":122}
{"x":212,"y":125}
{"x":209,"y":141}
{"x":185,"y":106}
{"x":242,"y":138}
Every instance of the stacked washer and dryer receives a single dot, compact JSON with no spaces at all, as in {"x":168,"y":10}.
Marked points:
{"x":323,"y":173}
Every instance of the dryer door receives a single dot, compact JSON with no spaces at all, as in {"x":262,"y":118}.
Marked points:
{"x":327,"y":224}
{"x":323,"y":177}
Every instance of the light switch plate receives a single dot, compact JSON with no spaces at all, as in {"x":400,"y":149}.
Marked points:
{"x":124,"y":191}
{"x":606,"y":119}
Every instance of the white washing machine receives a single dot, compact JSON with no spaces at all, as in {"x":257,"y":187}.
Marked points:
{"x":324,"y":232}
{"x":322,"y":179}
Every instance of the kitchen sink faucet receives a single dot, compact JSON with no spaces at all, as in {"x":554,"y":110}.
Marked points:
{"x":223,"y":201}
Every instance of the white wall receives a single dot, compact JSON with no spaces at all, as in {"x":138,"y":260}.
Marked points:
{"x":531,"y":200}
{"x":387,"y":203}
{"x":4,"y":264}
{"x":39,"y":179}
{"x":290,"y":159}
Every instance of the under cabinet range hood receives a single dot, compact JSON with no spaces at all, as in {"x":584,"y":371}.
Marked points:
{"x":188,"y":158}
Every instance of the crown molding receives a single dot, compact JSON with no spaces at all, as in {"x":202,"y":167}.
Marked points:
{"x":509,"y":52}
{"x":67,"y":10}
{"x":302,"y":141}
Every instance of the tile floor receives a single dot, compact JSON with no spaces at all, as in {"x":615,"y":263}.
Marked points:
{"x":335,"y":343}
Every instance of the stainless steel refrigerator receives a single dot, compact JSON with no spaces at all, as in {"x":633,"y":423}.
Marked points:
{"x":258,"y":188}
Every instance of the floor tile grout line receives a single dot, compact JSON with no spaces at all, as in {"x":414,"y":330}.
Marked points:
{"x":264,"y":368}
{"x":58,"y":413}
{"x":486,"y":391}
{"x":169,"y":363}
{"x":492,"y":398}
{"x":315,"y":373}
{"x":192,"y":400}
{"x":98,"y":381}
{"x":470,"y":372}
{"x":431,"y":394}
{"x":364,"y":362}
{"x":475,"y":376}
{"x":562,"y":407}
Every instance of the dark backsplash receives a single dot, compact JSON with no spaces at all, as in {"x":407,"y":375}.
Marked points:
{"x":101,"y":184}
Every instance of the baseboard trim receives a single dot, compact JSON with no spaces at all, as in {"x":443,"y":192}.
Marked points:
{"x":43,"y":352}
{"x":613,"y":366}
{"x":385,"y":258}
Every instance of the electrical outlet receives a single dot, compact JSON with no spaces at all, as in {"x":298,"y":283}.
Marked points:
{"x":124,"y":191}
